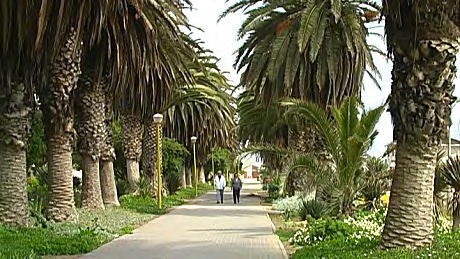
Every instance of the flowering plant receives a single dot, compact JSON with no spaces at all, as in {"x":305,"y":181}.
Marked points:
{"x":288,"y":206}
{"x":363,"y":226}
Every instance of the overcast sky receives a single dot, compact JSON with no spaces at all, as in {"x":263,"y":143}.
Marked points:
{"x":222,"y":39}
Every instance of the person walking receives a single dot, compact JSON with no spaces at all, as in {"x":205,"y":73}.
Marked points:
{"x":236,"y":186}
{"x":220,"y":183}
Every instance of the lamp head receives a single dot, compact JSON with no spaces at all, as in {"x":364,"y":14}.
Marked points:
{"x":193,"y":139}
{"x":157,"y":118}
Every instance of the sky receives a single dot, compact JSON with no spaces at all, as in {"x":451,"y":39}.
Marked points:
{"x":222,"y":39}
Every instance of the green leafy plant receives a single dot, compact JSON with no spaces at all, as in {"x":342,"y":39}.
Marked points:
{"x":347,"y":136}
{"x":314,"y":208}
{"x":376,"y":181}
{"x":289,"y":205}
{"x":450,"y":175}
{"x":174,"y":155}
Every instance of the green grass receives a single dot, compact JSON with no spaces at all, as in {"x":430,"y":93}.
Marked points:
{"x":444,"y":246}
{"x":285,"y":234}
{"x":149,"y":205}
{"x":93,"y":229}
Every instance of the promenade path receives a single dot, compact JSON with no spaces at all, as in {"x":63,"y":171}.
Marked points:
{"x":202,"y":229}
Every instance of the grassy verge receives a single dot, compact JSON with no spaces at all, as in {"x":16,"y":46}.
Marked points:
{"x":93,"y":229}
{"x":285,"y":229}
{"x":444,"y":246}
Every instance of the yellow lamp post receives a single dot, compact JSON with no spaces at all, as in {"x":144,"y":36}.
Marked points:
{"x":157,"y":119}
{"x":193,"y":139}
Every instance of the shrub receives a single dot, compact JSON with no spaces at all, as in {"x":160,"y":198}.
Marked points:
{"x":367,"y":225}
{"x":376,"y":181}
{"x":145,"y":188}
{"x":445,"y":245}
{"x":315,"y":208}
{"x":320,"y":230}
{"x":288,"y":206}
{"x":174,"y":155}
{"x":273,"y":191}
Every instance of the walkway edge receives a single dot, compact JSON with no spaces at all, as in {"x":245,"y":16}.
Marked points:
{"x":283,"y":249}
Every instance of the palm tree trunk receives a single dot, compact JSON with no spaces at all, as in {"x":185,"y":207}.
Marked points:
{"x":108,"y":184}
{"x":132,"y":147}
{"x":14,"y":125}
{"x":420,"y":105}
{"x":58,"y":120}
{"x":90,"y":113}
{"x":91,"y":195}
{"x":149,"y":145}
{"x":201,"y":176}
{"x":305,"y":141}
{"x":149,"y":154}
{"x":188,"y":177}
{"x":456,"y":210}
{"x":132,"y":168}
{"x":183,"y":180}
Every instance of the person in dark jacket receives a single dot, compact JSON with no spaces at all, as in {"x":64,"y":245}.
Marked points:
{"x":236,"y":187}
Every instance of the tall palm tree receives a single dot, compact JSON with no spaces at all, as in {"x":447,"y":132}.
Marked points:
{"x":260,"y":124}
{"x":347,"y":137}
{"x":132,"y":147}
{"x":304,"y":49}
{"x":90,"y":113}
{"x":107,"y":173}
{"x":35,"y":53}
{"x":149,"y":24}
{"x":312,"y":50}
{"x":58,"y":119}
{"x":18,"y":67}
{"x":202,"y":109}
{"x":423,"y":38}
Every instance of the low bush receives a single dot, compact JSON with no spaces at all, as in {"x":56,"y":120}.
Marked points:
{"x":273,"y":191}
{"x":315,"y":208}
{"x":445,"y":245}
{"x":366,"y":225}
{"x":54,"y":240}
{"x":320,"y":230}
{"x":288,"y":205}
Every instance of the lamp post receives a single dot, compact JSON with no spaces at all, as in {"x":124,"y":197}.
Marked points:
{"x":157,"y":119}
{"x":193,"y":139}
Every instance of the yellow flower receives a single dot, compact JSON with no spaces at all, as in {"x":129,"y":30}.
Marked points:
{"x":385,"y":198}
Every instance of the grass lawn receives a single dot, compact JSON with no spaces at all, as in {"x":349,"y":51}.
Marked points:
{"x":93,"y":229}
{"x":444,"y":246}
{"x":285,"y":230}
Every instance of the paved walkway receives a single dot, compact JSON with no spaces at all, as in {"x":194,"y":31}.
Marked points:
{"x":202,"y":229}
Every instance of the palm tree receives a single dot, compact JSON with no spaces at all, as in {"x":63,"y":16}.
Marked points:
{"x":312,"y":50}
{"x":347,"y":138}
{"x":260,"y":124}
{"x":303,"y":49}
{"x":202,"y":109}
{"x":142,"y":69}
{"x":35,"y":53}
{"x":132,"y":147}
{"x":90,"y":128}
{"x":148,"y":24}
{"x":17,"y":72}
{"x":58,"y":120}
{"x":108,"y":184}
{"x":422,"y":37}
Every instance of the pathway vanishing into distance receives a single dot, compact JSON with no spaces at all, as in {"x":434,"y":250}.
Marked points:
{"x":202,"y":229}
